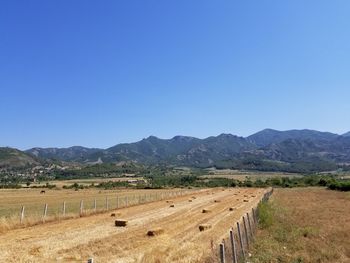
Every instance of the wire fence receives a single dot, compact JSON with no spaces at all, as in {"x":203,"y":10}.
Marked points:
{"x":235,"y":248}
{"x":87,"y":206}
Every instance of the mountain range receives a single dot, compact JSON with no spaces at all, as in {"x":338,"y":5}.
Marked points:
{"x":265,"y":150}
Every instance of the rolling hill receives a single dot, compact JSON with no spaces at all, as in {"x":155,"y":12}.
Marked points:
{"x":269,"y":136}
{"x":14,"y":158}
{"x":75,"y":153}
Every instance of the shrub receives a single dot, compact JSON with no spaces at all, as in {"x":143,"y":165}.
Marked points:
{"x":265,"y":214}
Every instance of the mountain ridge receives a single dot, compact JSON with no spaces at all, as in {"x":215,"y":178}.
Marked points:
{"x":289,"y":147}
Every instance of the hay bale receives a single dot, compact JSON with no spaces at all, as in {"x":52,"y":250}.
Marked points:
{"x":245,"y":200}
{"x":237,"y":199}
{"x":231,"y":209}
{"x":115,"y":214}
{"x":204,"y":227}
{"x":253,"y":195}
{"x":169,"y":201}
{"x":155,"y":232}
{"x":193,"y":197}
{"x":204,"y":211}
{"x":172,"y":205}
{"x":217,"y":201}
{"x":121,"y":222}
{"x":190,"y":200}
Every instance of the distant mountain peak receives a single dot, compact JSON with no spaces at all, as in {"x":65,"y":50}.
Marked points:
{"x":268,"y":136}
{"x":346,"y":134}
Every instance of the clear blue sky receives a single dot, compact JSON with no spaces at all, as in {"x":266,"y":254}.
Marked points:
{"x":93,"y":74}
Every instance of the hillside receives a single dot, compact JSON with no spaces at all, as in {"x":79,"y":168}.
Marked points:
{"x":14,"y":158}
{"x":180,"y":150}
{"x":75,"y":153}
{"x":346,"y":134}
{"x":269,"y":136}
{"x":292,"y":150}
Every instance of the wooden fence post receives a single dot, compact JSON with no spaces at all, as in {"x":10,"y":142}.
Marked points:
{"x":44,"y":213}
{"x":254,"y":217}
{"x":64,"y":209}
{"x":222,"y":252}
{"x":22,"y":215}
{"x":81,"y":207}
{"x":246,"y":232}
{"x":240,"y":240}
{"x":250,"y":226}
{"x":233,"y":247}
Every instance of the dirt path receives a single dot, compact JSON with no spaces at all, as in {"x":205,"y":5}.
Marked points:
{"x":96,"y":236}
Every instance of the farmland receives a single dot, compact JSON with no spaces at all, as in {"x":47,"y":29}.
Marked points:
{"x":305,"y":225}
{"x":244,"y":175}
{"x":77,"y":239}
{"x":12,"y":200}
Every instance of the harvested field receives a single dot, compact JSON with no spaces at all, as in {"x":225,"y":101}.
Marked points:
{"x":76,"y":240}
{"x":12,"y":200}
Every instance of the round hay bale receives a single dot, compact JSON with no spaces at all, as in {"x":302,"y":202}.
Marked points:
{"x":172,"y":205}
{"x":190,"y":200}
{"x":245,"y":200}
{"x":113,"y":215}
{"x":217,"y":201}
{"x":120,"y":222}
{"x":204,"y":211}
{"x":231,"y":209}
{"x":155,"y":232}
{"x":204,"y":227}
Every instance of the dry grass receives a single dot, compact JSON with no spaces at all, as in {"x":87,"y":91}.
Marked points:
{"x":307,"y":225}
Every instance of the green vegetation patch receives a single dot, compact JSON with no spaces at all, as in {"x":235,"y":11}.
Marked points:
{"x":280,"y":239}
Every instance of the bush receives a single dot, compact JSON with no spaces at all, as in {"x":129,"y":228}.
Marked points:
{"x":265,"y":214}
{"x":340,"y":186}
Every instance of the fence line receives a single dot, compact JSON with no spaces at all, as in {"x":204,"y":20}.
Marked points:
{"x":122,"y":201}
{"x":239,"y":254}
